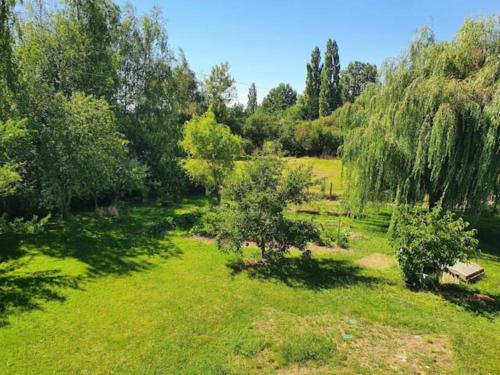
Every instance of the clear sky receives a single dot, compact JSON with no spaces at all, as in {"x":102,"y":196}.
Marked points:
{"x":270,"y":41}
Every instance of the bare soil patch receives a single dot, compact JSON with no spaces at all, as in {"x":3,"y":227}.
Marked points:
{"x":377,"y":261}
{"x":365,"y":346}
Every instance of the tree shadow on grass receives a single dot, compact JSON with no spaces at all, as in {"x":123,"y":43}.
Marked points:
{"x":117,"y":247}
{"x":25,"y":292}
{"x":461,"y":296}
{"x":107,"y":246}
{"x":315,"y":274}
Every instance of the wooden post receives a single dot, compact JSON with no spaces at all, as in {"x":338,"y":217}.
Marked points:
{"x":331,"y":189}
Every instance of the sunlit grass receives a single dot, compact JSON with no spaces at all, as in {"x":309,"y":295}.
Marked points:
{"x":103,"y":296}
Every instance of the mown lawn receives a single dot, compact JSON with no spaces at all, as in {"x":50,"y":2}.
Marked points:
{"x":101,"y":296}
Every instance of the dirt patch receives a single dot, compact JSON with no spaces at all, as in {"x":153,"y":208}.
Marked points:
{"x":377,"y":261}
{"x":327,"y":250}
{"x":400,"y":351}
{"x":207,"y":240}
{"x":357,"y":346}
{"x":313,"y":247}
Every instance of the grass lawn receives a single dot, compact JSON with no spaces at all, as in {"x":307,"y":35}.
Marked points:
{"x":101,"y":296}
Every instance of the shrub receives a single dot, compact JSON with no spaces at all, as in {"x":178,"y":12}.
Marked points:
{"x":159,"y":228}
{"x":19,"y":225}
{"x":330,"y":235}
{"x":427,"y":242}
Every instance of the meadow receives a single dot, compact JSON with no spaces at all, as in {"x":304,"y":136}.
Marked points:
{"x":95,"y":295}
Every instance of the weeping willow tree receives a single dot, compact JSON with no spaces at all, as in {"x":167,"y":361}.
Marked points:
{"x":430,"y":130}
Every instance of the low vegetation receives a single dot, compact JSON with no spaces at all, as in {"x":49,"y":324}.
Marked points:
{"x":110,"y":253}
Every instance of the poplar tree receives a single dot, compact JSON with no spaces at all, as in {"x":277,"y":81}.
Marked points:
{"x":313,"y":83}
{"x":327,"y":88}
{"x":252,"y":99}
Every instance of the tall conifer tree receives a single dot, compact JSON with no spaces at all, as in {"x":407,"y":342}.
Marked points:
{"x":313,"y":83}
{"x":252,"y":99}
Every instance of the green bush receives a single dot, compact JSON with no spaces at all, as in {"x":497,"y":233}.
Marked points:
{"x":209,"y":223}
{"x":427,"y":242}
{"x":331,"y":235}
{"x":19,"y":225}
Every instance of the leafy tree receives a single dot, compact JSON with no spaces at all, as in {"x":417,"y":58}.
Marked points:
{"x":259,"y":127}
{"x":279,"y":98}
{"x":313,"y":83}
{"x":253,"y":208}
{"x":211,"y":150}
{"x":427,"y":242}
{"x":252,"y":99}
{"x":220,"y":90}
{"x":8,"y":71}
{"x":429,"y":132}
{"x":155,"y":96}
{"x":14,"y":141}
{"x":355,"y":78}
{"x":322,"y":136}
{"x":82,"y":151}
{"x":329,"y":93}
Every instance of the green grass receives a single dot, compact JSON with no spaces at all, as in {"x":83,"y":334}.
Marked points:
{"x":101,"y":296}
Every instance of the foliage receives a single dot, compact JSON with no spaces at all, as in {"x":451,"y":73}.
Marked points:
{"x":14,"y":141}
{"x":355,"y":78}
{"x":252,"y":99}
{"x":220,"y":90}
{"x":322,"y":136}
{"x":427,"y":242}
{"x":313,"y":84}
{"x":82,"y":151}
{"x":253,"y":207}
{"x":19,"y":225}
{"x":155,"y":97}
{"x":334,"y":234}
{"x":279,"y":98}
{"x":430,"y":130}
{"x":329,"y":92}
{"x":211,"y":150}
{"x":259,"y":127}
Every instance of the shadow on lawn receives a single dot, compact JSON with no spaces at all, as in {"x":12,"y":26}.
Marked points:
{"x":107,"y":246}
{"x":25,"y":292}
{"x":461,"y":296}
{"x":313,"y":273}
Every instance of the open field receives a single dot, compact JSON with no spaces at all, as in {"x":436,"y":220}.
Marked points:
{"x":101,"y":296}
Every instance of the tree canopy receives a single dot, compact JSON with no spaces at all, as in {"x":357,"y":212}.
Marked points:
{"x":279,"y":98}
{"x":429,"y":132}
{"x":211,"y":150}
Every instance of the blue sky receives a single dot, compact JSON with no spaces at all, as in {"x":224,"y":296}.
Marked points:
{"x":268,"y":42}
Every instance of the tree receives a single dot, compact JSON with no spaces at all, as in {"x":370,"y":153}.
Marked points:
{"x":427,"y":242}
{"x":14,"y":142}
{"x":329,"y":93}
{"x":279,"y":98}
{"x":155,"y":97}
{"x":82,"y":151}
{"x":259,"y":127}
{"x":220,"y":90}
{"x":8,"y":70}
{"x":430,"y":131}
{"x":355,"y":78}
{"x":253,"y":207}
{"x":211,"y":150}
{"x":252,"y":99}
{"x":313,"y":83}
